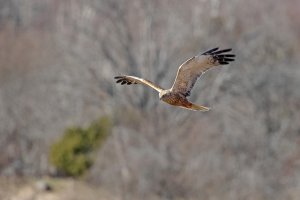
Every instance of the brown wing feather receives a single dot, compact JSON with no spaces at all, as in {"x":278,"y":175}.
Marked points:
{"x":191,"y":69}
{"x":136,"y":80}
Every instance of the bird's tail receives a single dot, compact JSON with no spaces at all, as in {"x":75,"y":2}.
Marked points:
{"x":198,"y":107}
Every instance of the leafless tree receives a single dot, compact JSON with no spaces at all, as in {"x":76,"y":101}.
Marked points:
{"x":57,"y":67}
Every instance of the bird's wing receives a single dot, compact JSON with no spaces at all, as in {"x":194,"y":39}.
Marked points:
{"x":136,"y":80}
{"x":191,"y":69}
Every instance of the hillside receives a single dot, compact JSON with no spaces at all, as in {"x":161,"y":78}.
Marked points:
{"x":57,"y":63}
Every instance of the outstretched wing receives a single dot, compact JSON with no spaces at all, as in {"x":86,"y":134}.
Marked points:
{"x":136,"y":80}
{"x":191,"y":69}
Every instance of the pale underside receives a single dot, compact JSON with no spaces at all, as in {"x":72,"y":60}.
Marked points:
{"x":186,"y":77}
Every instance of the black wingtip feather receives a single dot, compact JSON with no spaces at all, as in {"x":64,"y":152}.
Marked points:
{"x":210,"y":51}
{"x":214,"y":51}
{"x":224,"y":63}
{"x":220,"y":56}
{"x":229,"y":55}
{"x":123,"y":80}
{"x":222,"y":51}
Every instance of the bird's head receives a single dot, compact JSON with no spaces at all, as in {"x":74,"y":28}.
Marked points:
{"x":163,"y":94}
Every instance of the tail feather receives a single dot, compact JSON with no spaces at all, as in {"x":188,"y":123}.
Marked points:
{"x":198,"y":107}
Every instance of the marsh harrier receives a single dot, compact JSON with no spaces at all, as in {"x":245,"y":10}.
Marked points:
{"x":186,"y":77}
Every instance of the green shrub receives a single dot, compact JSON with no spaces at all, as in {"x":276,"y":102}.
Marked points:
{"x":72,"y":155}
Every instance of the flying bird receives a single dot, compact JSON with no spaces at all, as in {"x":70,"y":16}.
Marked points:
{"x":186,"y":77}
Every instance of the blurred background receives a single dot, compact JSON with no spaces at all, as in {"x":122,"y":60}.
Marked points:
{"x":67,"y":131}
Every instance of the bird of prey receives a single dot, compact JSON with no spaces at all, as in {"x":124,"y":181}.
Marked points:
{"x":186,"y":77}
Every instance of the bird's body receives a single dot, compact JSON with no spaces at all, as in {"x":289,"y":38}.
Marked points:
{"x":173,"y":98}
{"x":178,"y":99}
{"x":186,"y":78}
